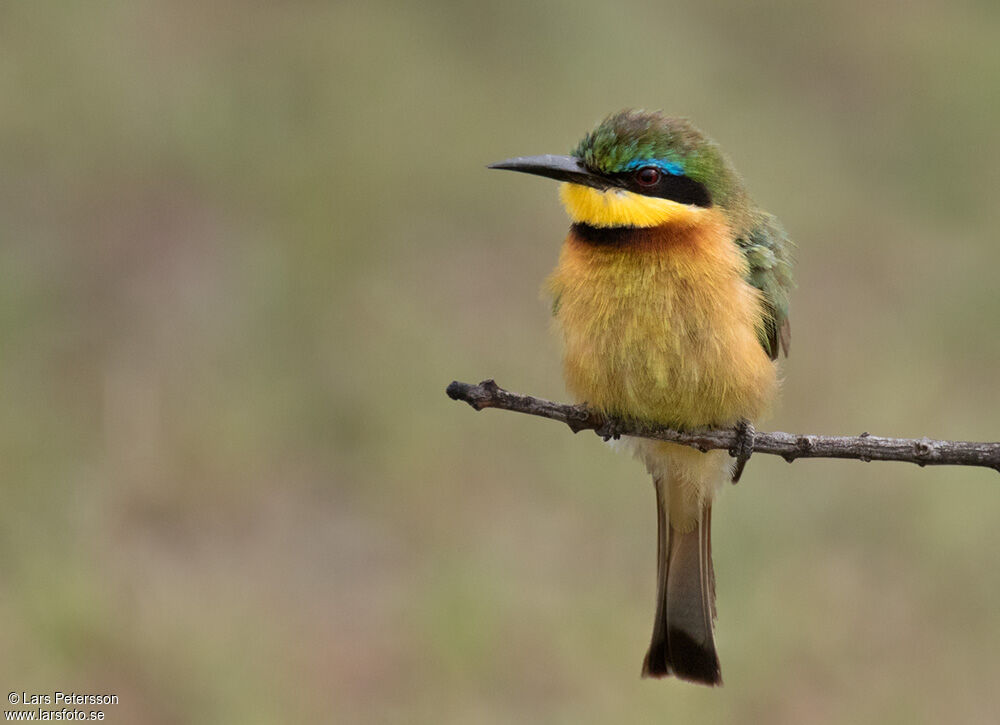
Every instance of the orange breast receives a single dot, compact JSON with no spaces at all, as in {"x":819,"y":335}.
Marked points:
{"x":660,"y":325}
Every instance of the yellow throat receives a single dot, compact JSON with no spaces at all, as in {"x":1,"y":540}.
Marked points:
{"x":621,"y":208}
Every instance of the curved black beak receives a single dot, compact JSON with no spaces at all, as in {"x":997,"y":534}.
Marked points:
{"x":561,"y":168}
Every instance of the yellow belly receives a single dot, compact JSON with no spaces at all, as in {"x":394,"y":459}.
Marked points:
{"x":664,"y":330}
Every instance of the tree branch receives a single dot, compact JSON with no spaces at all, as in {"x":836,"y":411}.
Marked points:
{"x":865,"y":447}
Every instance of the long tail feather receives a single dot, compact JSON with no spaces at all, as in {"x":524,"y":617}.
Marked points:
{"x":657,"y":662}
{"x":683,"y":642}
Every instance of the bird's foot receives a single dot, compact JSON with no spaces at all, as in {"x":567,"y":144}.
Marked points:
{"x":743,"y":448}
{"x":611,"y":428}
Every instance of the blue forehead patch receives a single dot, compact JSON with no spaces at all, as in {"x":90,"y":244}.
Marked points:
{"x":667,"y":167}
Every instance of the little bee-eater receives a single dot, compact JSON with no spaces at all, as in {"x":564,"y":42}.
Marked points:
{"x":671,"y":293}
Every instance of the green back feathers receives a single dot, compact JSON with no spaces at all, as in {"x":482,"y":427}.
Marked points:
{"x":768,"y":252}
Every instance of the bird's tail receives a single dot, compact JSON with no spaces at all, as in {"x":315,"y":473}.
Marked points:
{"x":683,"y":641}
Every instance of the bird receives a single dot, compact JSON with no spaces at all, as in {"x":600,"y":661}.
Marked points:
{"x":671,"y":293}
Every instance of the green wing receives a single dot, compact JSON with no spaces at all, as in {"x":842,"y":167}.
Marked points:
{"x":768,"y":251}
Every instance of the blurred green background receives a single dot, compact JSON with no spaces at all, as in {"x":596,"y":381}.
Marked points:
{"x":244,"y":247}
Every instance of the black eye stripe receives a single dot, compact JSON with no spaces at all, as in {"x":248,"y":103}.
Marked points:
{"x":681,"y":189}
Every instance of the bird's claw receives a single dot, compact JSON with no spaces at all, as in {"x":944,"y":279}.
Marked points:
{"x":743,"y":448}
{"x":610,"y":429}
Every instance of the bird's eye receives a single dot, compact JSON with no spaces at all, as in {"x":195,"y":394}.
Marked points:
{"x":647,"y":175}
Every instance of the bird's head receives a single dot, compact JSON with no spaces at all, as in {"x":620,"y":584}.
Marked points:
{"x":639,"y":169}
